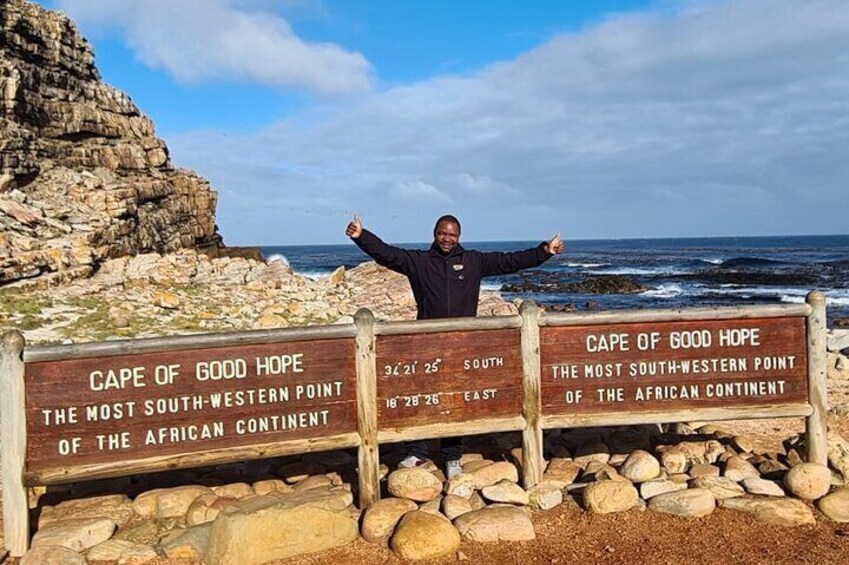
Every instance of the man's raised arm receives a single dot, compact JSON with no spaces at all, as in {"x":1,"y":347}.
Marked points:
{"x":500,"y":263}
{"x":389,"y":256}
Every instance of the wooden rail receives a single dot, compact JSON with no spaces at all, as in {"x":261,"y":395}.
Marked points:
{"x":90,"y":411}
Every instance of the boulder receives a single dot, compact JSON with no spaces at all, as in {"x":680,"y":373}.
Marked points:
{"x":737,"y":469}
{"x":117,"y":507}
{"x":420,"y":535}
{"x":461,"y":485}
{"x":650,"y":489}
{"x":496,"y":523}
{"x":168,"y":502}
{"x":453,"y":506}
{"x":721,"y":487}
{"x":640,"y":466}
{"x":808,"y":481}
{"x":380,"y":519}
{"x":836,"y":505}
{"x":763,"y":487}
{"x":545,"y":496}
{"x":704,"y":470}
{"x":495,"y":472}
{"x":189,"y":543}
{"x":507,"y":492}
{"x":413,"y":483}
{"x":604,"y":497}
{"x":261,"y":529}
{"x":565,"y":471}
{"x":691,"y":503}
{"x":52,"y":555}
{"x":775,"y":511}
{"x":77,"y":535}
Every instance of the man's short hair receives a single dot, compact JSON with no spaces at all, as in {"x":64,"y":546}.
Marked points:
{"x":447,"y":218}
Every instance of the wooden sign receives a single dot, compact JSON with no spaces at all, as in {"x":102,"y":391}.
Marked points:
{"x":448,"y":377}
{"x":664,"y":366}
{"x":98,"y":409}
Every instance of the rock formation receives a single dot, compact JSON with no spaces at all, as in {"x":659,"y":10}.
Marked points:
{"x":83,"y":177}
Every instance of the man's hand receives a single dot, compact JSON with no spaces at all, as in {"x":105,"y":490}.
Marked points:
{"x":355,"y":228}
{"x":555,"y":245}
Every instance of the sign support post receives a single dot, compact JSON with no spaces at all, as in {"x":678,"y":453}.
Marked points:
{"x":14,"y":444}
{"x":532,"y":454}
{"x":816,"y":425}
{"x":368,"y":454}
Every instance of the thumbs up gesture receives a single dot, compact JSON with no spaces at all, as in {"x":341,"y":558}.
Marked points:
{"x":555,"y":245}
{"x":355,"y":228}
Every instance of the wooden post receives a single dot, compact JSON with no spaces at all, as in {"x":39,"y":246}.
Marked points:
{"x":532,"y":456}
{"x":816,"y":428}
{"x":368,"y":455}
{"x":14,"y":444}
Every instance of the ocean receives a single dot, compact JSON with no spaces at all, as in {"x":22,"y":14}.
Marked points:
{"x":657,"y":273}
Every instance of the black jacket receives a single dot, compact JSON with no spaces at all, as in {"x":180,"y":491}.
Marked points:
{"x":447,"y":286}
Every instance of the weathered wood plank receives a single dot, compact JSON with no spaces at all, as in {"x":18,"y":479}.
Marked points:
{"x":186,"y":342}
{"x":662,"y":417}
{"x":665,"y":315}
{"x":816,"y":426}
{"x":368,"y":454}
{"x":59,"y":475}
{"x":13,"y":444}
{"x":532,"y":446}
{"x":429,"y":431}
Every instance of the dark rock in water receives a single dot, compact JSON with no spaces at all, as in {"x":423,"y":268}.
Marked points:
{"x":570,"y":307}
{"x":841,"y":323}
{"x":606,"y":284}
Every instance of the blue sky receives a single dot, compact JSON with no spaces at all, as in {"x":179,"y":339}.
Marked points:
{"x":601,"y":119}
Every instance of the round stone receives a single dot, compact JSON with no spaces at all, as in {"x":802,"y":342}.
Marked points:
{"x":836,"y":505}
{"x":605,"y":497}
{"x":381,"y":518}
{"x":640,"y":466}
{"x":692,"y":503}
{"x":420,"y":535}
{"x":414,"y":483}
{"x":808,"y":481}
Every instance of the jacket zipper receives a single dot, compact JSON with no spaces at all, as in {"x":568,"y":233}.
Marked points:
{"x":447,"y":289}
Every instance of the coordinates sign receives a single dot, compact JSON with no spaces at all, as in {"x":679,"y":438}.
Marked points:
{"x":94,"y":410}
{"x":672,"y":365}
{"x":448,"y":377}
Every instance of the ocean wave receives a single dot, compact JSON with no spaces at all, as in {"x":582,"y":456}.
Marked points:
{"x":277,"y":257}
{"x":495,"y":286}
{"x":666,"y":291}
{"x":712,"y":260}
{"x":586,"y":265}
{"x":313,"y":275}
{"x":637,"y":271}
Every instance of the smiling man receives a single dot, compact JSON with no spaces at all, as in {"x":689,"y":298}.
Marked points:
{"x":446,"y":281}
{"x":446,"y":278}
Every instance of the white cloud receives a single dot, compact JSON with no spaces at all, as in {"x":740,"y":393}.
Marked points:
{"x":703,"y":118}
{"x":418,"y":190}
{"x":202,"y":40}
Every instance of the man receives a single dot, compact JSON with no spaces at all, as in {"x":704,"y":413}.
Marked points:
{"x":446,"y":281}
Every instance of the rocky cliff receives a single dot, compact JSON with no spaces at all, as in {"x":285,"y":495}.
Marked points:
{"x":83,"y":178}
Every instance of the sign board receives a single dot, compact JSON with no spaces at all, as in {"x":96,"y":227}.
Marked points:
{"x":448,"y":377}
{"x":97,"y":409}
{"x":117,"y":408}
{"x":663,"y":366}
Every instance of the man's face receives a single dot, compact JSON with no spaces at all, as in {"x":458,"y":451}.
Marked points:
{"x":447,"y":236}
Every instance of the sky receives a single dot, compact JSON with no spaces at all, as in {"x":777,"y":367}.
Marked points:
{"x":600,"y":119}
